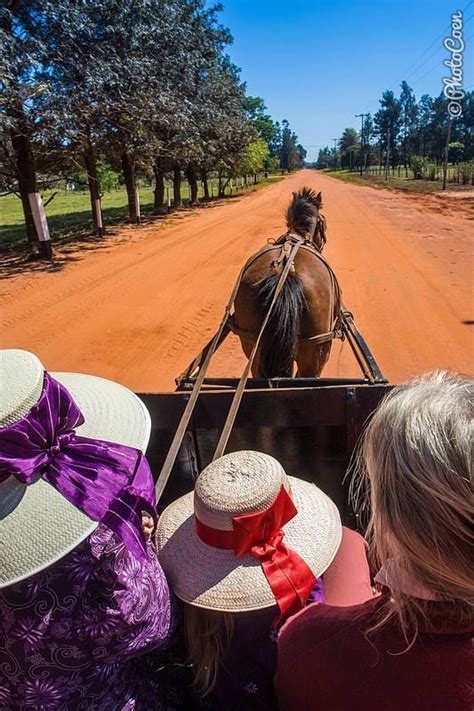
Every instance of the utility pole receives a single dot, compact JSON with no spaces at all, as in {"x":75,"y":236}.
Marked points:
{"x":335,"y":152}
{"x":362,"y":117}
{"x":446,"y":154}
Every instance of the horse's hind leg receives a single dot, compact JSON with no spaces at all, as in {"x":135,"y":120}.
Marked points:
{"x":311,"y":359}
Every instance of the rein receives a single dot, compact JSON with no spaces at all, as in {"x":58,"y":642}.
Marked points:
{"x":284,"y":243}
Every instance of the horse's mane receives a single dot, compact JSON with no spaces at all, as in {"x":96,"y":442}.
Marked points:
{"x":302,"y":211}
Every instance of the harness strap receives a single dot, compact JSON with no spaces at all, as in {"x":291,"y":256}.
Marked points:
{"x":225,"y":434}
{"x":188,"y":410}
{"x":285,"y":242}
{"x":336,"y":332}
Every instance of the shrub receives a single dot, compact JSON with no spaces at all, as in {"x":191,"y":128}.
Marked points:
{"x":419,"y":166}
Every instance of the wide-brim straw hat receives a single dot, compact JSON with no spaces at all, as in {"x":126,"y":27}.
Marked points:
{"x":238,"y":483}
{"x":38,"y":526}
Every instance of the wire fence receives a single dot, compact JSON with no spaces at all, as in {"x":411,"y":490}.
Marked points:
{"x":460,"y":174}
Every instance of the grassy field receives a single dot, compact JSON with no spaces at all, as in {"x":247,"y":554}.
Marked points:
{"x":395,"y":182}
{"x":69,"y":213}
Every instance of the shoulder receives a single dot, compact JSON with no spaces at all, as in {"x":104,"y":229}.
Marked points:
{"x":317,"y":624}
{"x":352,"y":539}
{"x":347,"y":580}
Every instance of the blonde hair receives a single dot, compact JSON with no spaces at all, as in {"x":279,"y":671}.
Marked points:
{"x":414,"y":476}
{"x":208,"y":635}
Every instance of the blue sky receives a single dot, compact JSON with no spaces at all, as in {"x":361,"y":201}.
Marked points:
{"x":319,"y":63}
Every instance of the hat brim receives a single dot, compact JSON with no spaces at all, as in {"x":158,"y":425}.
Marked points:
{"x":215,"y":579}
{"x":43,"y":526}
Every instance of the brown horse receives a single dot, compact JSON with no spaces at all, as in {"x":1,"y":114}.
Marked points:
{"x":307,"y":307}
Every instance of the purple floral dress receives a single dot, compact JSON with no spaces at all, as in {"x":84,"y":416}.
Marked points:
{"x":69,"y":634}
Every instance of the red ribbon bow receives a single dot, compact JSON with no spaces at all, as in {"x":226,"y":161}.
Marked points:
{"x":260,"y":534}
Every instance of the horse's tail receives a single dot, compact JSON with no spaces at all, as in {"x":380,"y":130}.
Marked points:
{"x":280,"y":338}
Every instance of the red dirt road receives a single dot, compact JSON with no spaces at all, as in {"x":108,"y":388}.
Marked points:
{"x":139,"y":310}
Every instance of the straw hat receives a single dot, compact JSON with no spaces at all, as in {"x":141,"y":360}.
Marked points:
{"x":37,"y":525}
{"x":236,"y":484}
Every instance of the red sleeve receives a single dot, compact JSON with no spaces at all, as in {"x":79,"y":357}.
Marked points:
{"x":347,"y":580}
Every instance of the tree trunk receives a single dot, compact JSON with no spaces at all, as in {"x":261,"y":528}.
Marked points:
{"x":223,"y":185}
{"x":177,"y":202}
{"x":193,"y":186}
{"x":94,"y":189}
{"x":205,"y":184}
{"x":25,"y":165}
{"x":159,"y":192}
{"x":128,"y":169}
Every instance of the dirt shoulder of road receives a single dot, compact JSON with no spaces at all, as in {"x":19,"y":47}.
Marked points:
{"x":457,"y":198}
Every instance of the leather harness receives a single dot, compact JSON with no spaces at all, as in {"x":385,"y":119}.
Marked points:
{"x":284,"y":244}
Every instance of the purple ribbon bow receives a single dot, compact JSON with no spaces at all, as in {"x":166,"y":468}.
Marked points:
{"x":110,"y":483}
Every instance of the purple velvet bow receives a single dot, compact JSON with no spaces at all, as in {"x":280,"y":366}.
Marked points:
{"x":110,"y":483}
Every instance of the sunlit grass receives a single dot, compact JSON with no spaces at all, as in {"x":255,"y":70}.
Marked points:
{"x":394,"y":182}
{"x":69,"y":213}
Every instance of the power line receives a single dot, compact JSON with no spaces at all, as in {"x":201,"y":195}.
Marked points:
{"x":437,"y":65}
{"x":411,"y":67}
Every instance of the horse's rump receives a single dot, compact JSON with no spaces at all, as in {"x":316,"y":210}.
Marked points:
{"x":307,"y":306}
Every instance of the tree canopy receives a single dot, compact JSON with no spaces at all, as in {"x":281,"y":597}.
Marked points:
{"x":143,"y":86}
{"x":404,"y":127}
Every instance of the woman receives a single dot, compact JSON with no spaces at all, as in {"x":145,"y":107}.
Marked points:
{"x":250,"y":547}
{"x":410,"y":648}
{"x":81,"y":591}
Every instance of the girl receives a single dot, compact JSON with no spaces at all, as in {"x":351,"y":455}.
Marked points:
{"x":249,"y":548}
{"x":410,"y":648}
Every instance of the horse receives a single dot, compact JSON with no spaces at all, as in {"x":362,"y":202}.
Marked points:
{"x":305,"y":317}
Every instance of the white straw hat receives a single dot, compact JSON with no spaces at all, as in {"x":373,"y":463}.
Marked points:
{"x":240,"y":483}
{"x":38,"y":526}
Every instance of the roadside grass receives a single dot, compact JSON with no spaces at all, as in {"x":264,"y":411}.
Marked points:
{"x":262,"y":184}
{"x":395,"y":182}
{"x":69,"y":213}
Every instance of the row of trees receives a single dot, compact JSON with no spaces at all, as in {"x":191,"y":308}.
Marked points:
{"x":403,"y":128}
{"x":142,"y":85}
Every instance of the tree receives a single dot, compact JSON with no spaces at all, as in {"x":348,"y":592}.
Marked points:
{"x":367,"y":136}
{"x":290,"y":158}
{"x":254,"y":160}
{"x":143,"y":87}
{"x":325,"y":158}
{"x":264,"y":125}
{"x":387,"y":125}
{"x":348,"y":145}
{"x":408,"y":116}
{"x":22,"y":87}
{"x":424,"y":120}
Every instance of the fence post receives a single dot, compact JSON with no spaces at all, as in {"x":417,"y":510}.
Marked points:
{"x":446,"y":154}
{"x":41,"y":224}
{"x":137,"y":198}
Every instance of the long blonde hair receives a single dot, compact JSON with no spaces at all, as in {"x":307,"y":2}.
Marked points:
{"x":414,"y":476}
{"x":208,"y":634}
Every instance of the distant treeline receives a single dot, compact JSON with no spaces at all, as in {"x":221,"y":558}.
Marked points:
{"x":405,"y":132}
{"x":143,"y":88}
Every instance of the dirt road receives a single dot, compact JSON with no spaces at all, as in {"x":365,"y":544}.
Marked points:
{"x":138,"y":311}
